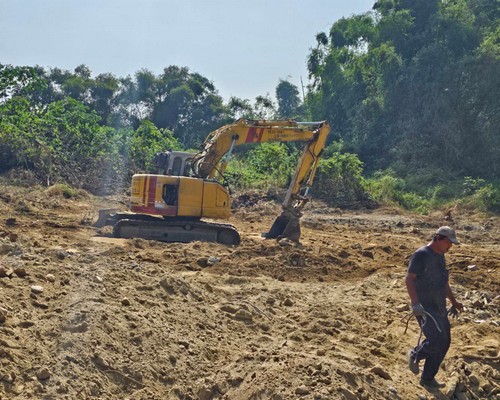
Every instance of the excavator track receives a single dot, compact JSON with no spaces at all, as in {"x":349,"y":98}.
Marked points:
{"x":183,"y":231}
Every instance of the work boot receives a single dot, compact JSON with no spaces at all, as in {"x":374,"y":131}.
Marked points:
{"x":412,"y":362}
{"x":433,"y":383}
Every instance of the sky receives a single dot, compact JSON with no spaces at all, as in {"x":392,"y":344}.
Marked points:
{"x":243,"y":46}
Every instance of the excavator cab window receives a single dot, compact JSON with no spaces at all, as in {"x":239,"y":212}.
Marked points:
{"x":170,"y":194}
{"x":160,"y":161}
{"x":177,"y":166}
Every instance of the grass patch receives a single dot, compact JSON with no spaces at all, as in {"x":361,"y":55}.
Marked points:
{"x":63,"y":190}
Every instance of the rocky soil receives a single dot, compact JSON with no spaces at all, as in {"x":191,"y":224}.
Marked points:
{"x":87,"y":316}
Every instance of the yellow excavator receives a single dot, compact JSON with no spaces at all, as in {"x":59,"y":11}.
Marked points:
{"x":170,"y":206}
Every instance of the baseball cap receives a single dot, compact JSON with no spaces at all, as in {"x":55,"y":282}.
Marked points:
{"x":449,"y":233}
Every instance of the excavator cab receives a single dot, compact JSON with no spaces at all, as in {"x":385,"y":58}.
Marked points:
{"x":173,"y":163}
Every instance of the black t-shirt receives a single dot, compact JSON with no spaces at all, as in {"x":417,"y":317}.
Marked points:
{"x":432,"y":279}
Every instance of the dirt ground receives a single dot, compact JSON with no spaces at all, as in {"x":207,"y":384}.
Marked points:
{"x":87,"y":316}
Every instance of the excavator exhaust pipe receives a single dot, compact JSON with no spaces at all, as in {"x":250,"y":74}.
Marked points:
{"x":287,"y":226}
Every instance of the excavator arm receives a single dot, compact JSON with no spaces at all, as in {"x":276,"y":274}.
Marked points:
{"x":208,"y":163}
{"x":211,"y":162}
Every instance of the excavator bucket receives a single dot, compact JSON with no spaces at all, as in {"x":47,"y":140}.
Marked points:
{"x":105,"y":218}
{"x":287,"y":226}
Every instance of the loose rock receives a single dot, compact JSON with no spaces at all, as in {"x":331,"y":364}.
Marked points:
{"x":288,"y":302}
{"x":43,"y":374}
{"x":20,"y":272}
{"x":36,"y":289}
{"x":378,"y":370}
{"x":125,"y":301}
{"x":243,"y":315}
{"x":302,"y":390}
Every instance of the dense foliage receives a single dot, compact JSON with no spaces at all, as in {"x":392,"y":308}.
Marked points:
{"x":410,"y":89}
{"x":413,"y":86}
{"x":263,"y":166}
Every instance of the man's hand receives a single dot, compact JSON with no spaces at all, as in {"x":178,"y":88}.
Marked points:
{"x":453,"y":312}
{"x":454,"y":309}
{"x":458,"y":306}
{"x":418,"y":310}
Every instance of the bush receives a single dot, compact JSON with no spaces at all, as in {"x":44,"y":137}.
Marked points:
{"x":385,"y":187}
{"x":268,"y":165}
{"x":472,"y":185}
{"x":60,"y":189}
{"x":471,"y":193}
{"x":444,"y":192}
{"x":488,"y":198}
{"x":239,"y":177}
{"x":414,"y":202}
{"x":339,"y":180}
{"x":64,"y":142}
{"x":273,"y":160}
{"x":391,"y":190}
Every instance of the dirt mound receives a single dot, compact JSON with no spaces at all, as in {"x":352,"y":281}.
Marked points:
{"x":83,"y":315}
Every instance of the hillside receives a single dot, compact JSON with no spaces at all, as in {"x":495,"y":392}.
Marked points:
{"x":84,"y":315}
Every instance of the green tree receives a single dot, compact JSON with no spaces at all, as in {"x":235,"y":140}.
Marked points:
{"x":411,"y":86}
{"x":339,"y":180}
{"x":145,"y":142}
{"x":185,"y":103}
{"x":264,"y":166}
{"x":240,"y":108}
{"x":18,"y":81}
{"x":264,"y":107}
{"x":104,"y":90}
{"x":21,"y":143}
{"x":289,"y":103}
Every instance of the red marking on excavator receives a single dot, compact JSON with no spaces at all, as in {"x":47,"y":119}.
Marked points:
{"x":152,"y":192}
{"x":254,"y":136}
{"x":144,"y":192}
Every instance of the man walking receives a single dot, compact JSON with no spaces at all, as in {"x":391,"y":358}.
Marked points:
{"x":428,"y":287}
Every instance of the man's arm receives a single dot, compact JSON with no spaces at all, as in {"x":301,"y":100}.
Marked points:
{"x":416,"y":307}
{"x":411,"y":287}
{"x":454,"y":302}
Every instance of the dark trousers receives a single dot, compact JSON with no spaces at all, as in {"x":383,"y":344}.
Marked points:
{"x":435,"y":346}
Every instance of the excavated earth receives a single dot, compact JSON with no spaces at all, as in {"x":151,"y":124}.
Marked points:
{"x":87,"y":316}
